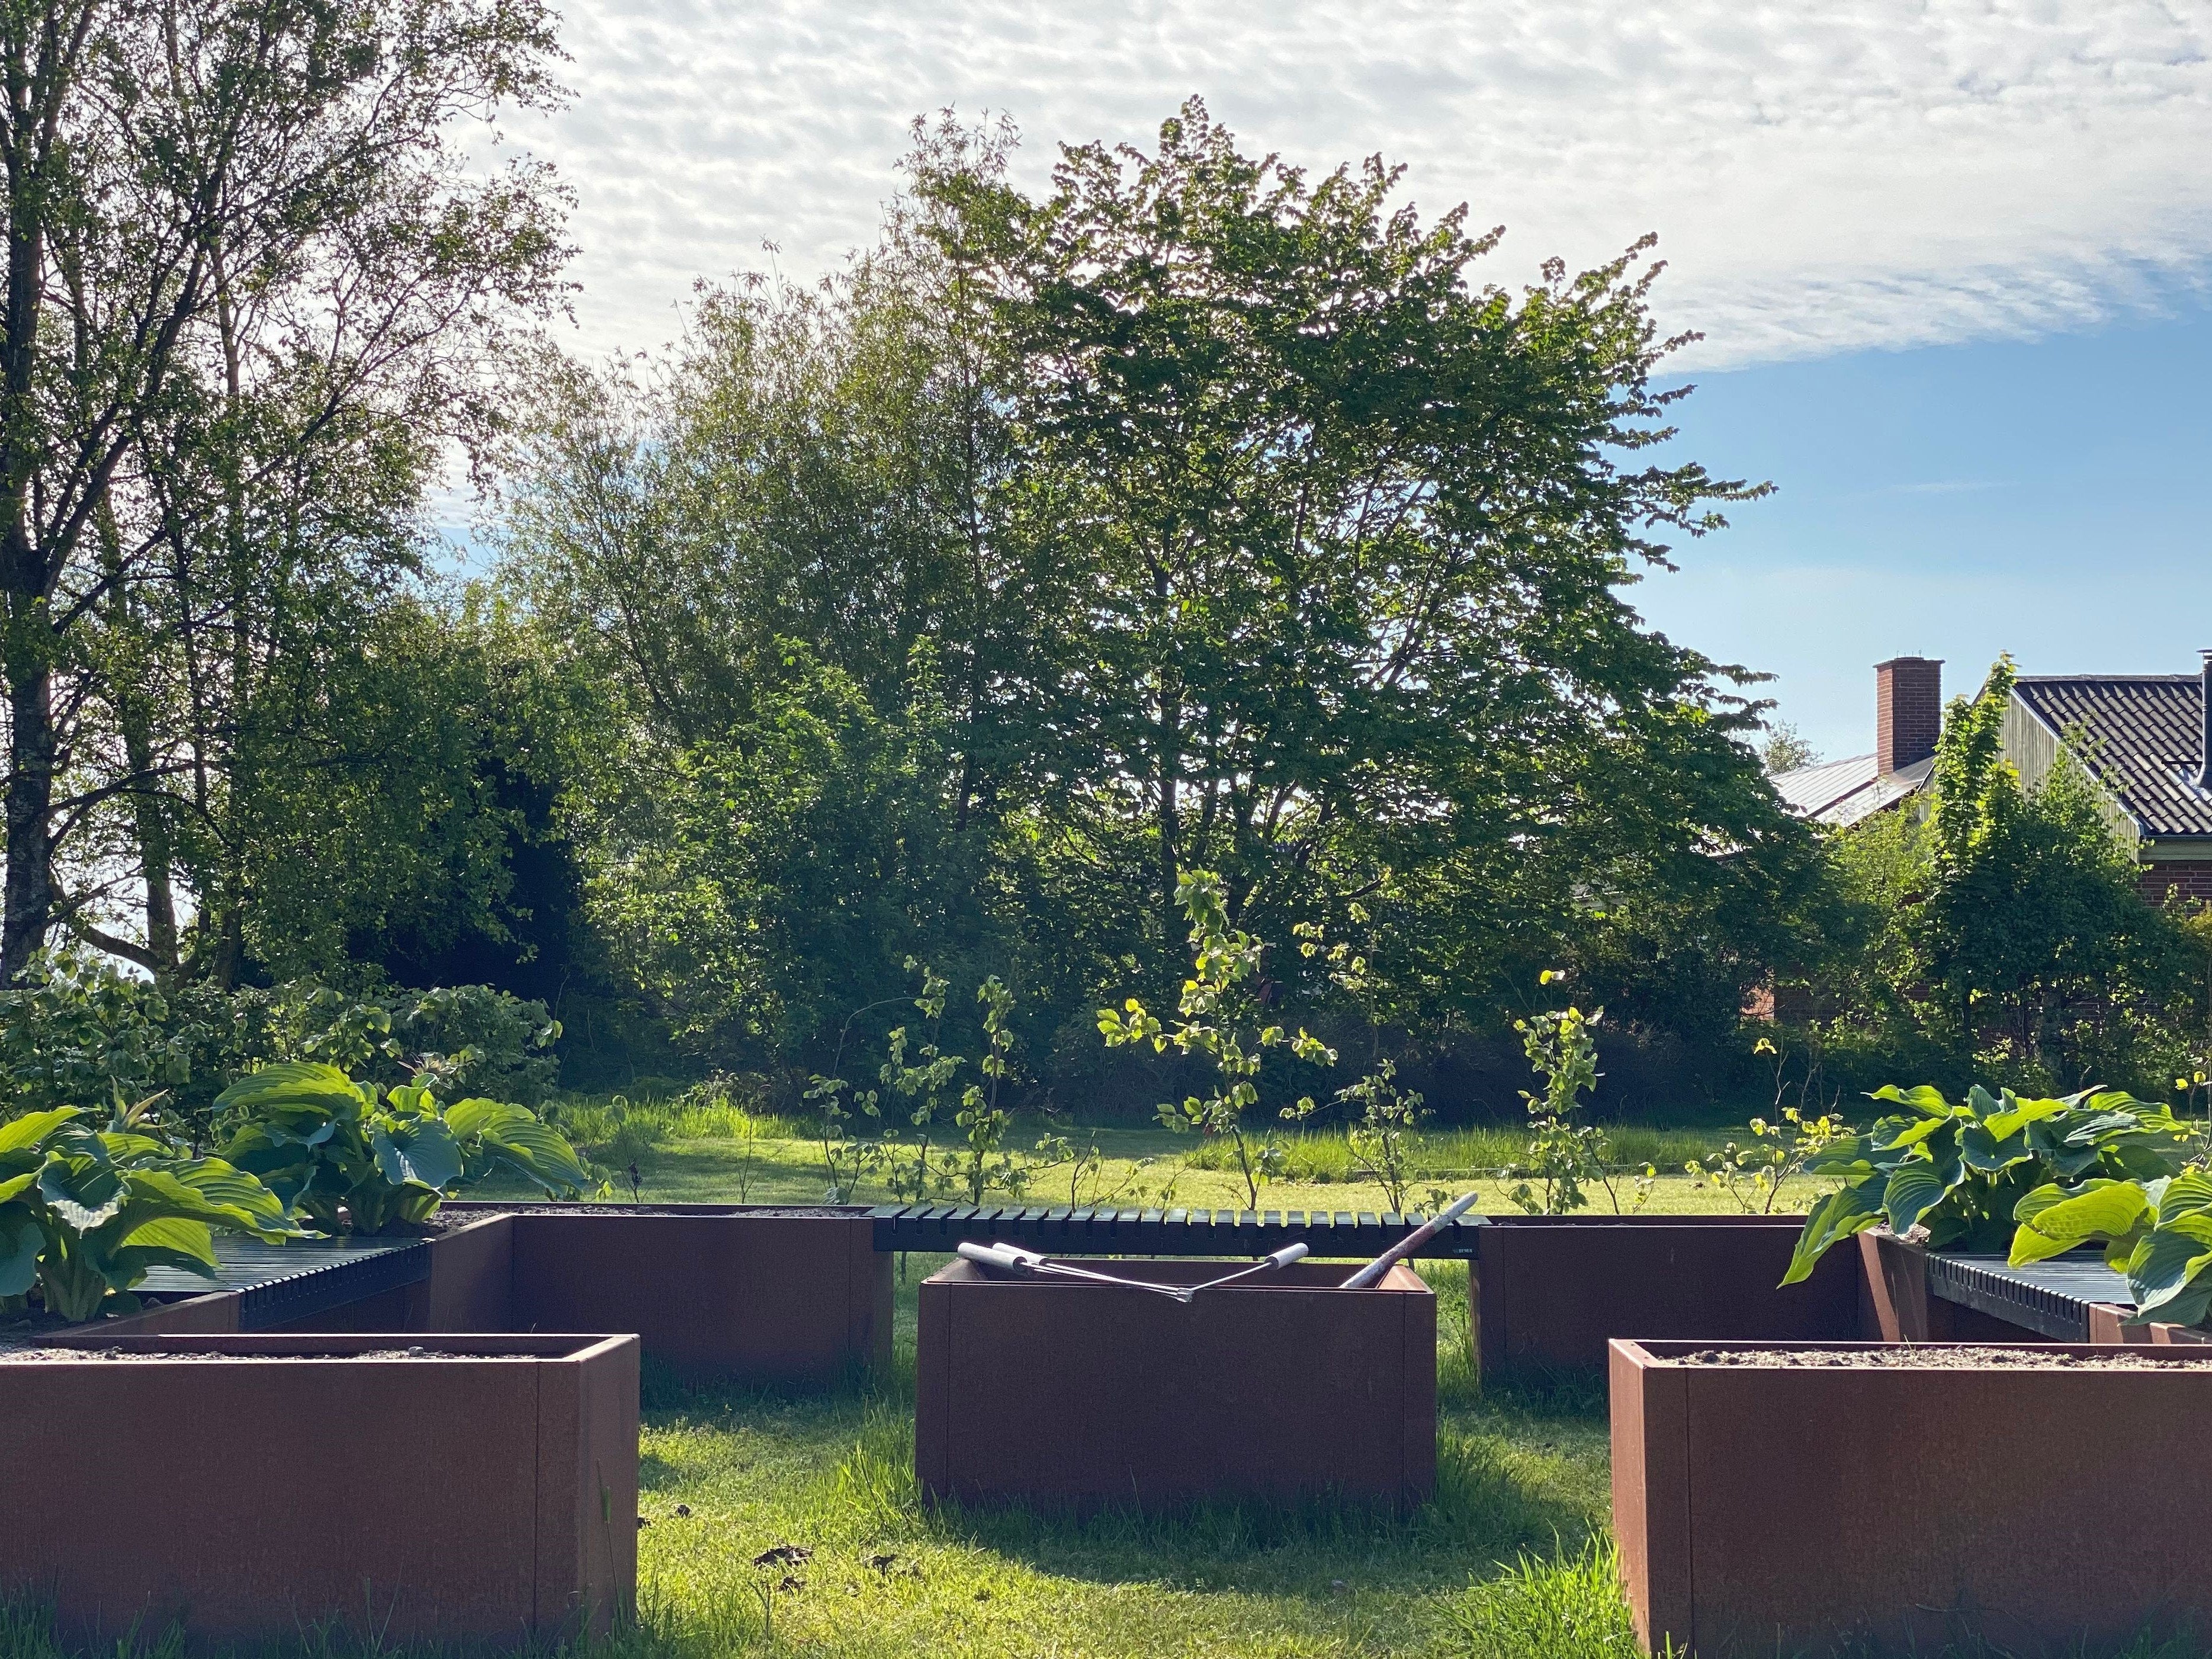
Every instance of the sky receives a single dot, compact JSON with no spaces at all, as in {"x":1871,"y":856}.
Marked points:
{"x":1952,"y":261}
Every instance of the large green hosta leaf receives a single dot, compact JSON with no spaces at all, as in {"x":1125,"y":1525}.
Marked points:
{"x":166,"y":1241}
{"x":2170,"y":1258}
{"x":1918,"y":1186}
{"x":417,"y":1151}
{"x":2055,"y":1219}
{"x":84,"y":1190}
{"x":1924,"y":1098}
{"x":294,"y":1085}
{"x":21,"y":1138}
{"x":1849,"y":1210}
{"x":515,"y":1136}
{"x":21,"y":1238}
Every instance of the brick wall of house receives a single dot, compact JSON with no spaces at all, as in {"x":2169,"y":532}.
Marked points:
{"x":1908,"y":711}
{"x":2191,"y":880}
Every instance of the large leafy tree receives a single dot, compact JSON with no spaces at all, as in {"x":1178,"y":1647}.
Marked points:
{"x":1353,"y":527}
{"x":250,"y":284}
{"x":1193,"y":515}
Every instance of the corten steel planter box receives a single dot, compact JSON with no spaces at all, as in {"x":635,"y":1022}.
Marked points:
{"x":761,"y":1293}
{"x":1779,"y":1509}
{"x":1081,"y":1396}
{"x":1550,"y":1292}
{"x":486,"y":1493}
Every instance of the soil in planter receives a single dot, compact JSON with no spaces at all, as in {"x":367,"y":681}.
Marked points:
{"x":1934,"y":1357}
{"x":8,"y":1355}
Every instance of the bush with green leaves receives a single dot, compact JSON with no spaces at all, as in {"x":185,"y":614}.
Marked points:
{"x":1961,"y":1170}
{"x":73,"y":1030}
{"x":85,"y":1213}
{"x":387,"y":1157}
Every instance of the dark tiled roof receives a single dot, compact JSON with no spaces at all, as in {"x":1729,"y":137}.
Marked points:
{"x":1843,"y":792}
{"x":2146,"y":736}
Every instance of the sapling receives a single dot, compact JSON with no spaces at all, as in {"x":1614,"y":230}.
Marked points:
{"x":984,"y":1166}
{"x":1779,"y":1152}
{"x":1220,"y":1019}
{"x":920,"y":1086}
{"x":1564,"y":1156}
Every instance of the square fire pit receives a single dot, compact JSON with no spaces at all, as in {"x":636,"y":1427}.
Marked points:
{"x":1072,"y":1395}
{"x":452,"y":1489}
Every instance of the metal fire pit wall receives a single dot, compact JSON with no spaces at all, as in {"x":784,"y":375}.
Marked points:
{"x":1067,"y":1394}
{"x":2052,"y":1298}
{"x":1222,"y":1233}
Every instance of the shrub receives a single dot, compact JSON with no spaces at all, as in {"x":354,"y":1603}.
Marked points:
{"x":75,"y":1031}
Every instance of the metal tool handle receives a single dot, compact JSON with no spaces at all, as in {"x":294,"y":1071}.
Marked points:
{"x":1371,"y":1274}
{"x":1272,"y":1263}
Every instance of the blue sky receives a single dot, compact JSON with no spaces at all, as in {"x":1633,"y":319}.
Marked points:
{"x":2044,"y":497}
{"x":1951,"y":259}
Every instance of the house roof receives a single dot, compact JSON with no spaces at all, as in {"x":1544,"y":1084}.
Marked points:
{"x":1843,"y":792}
{"x":2146,"y":738}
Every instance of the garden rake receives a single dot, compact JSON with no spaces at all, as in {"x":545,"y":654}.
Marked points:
{"x":1014,"y":1258}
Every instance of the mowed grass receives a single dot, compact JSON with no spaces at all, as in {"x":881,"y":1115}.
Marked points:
{"x":833,"y":1473}
{"x":686,"y":1153}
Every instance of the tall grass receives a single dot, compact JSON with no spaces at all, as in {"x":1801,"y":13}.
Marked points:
{"x":1325,"y":1155}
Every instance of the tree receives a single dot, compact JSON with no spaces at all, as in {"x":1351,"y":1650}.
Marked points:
{"x":1352,"y":528}
{"x":1786,"y":749}
{"x":242,"y":245}
{"x":2008,"y":936}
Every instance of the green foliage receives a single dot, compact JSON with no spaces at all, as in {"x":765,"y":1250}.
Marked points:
{"x":387,"y":1157}
{"x":1962,"y":1170}
{"x":1220,"y":1021}
{"x":2002,"y":936}
{"x":983,"y":1164}
{"x":919,"y":1090}
{"x":952,"y":611}
{"x":1565,"y":1157}
{"x":1567,"y":1607}
{"x":73,"y":1030}
{"x":1780,"y":1151}
{"x":2157,"y":1231}
{"x":1382,"y":1138}
{"x":85,"y":1213}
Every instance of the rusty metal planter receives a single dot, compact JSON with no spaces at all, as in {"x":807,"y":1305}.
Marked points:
{"x":760,"y":1294}
{"x":1069,"y":1395}
{"x":1766,"y":1509}
{"x":1549,"y":1291}
{"x":485,"y":1490}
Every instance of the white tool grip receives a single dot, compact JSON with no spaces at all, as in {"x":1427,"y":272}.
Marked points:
{"x":1000,"y":1255}
{"x":1287,"y":1255}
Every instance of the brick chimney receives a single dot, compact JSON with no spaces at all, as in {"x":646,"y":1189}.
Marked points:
{"x":1908,"y":711}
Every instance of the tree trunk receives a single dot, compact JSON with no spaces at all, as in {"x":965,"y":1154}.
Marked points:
{"x":30,"y":892}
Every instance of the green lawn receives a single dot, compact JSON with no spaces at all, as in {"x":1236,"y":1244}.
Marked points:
{"x":769,"y":1161}
{"x":833,"y":1473}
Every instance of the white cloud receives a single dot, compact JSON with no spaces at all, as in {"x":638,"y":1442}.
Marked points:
{"x":1873,"y":174}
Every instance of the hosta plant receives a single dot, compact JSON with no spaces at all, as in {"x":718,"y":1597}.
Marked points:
{"x":2158,"y":1232}
{"x":387,"y":1157}
{"x":84,"y":1212}
{"x":1961,"y":1170}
